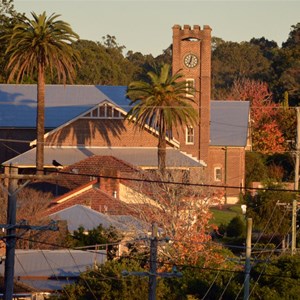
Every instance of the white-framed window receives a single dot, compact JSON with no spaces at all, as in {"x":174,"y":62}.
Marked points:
{"x":190,"y":87}
{"x":189,"y":135}
{"x":218,"y":174}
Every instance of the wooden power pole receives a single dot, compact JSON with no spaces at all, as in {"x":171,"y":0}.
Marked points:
{"x":153,"y":263}
{"x":294,"y":227}
{"x":11,"y":226}
{"x":153,"y":274}
{"x":248,"y":259}
{"x":11,"y":236}
{"x":297,"y":150}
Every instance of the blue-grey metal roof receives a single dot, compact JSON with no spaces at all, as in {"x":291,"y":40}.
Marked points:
{"x":142,"y":157}
{"x":79,"y":215}
{"x":229,"y":123}
{"x":62,"y":103}
{"x":32,"y":267}
{"x":229,"y":119}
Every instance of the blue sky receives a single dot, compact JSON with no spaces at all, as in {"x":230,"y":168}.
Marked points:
{"x":146,"y":25}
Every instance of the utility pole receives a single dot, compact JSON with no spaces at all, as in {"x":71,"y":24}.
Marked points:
{"x":297,"y":150}
{"x":153,"y":265}
{"x":248,"y":259}
{"x":11,"y":225}
{"x":294,"y":222}
{"x":11,"y":236}
{"x":294,"y":227}
{"x":153,"y":274}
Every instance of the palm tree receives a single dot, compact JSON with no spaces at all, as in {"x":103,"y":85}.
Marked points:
{"x":163,"y":103}
{"x":35,"y":47}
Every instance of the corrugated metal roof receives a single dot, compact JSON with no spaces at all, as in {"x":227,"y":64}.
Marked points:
{"x":229,"y":119}
{"x":33,"y":266}
{"x":62,"y":103}
{"x":142,"y":157}
{"x":79,"y":215}
{"x":229,"y":123}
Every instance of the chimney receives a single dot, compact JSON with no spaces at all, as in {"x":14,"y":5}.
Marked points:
{"x":109,"y":182}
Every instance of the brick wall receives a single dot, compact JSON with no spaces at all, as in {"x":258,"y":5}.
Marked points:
{"x":234,"y":166}
{"x":101,"y":132}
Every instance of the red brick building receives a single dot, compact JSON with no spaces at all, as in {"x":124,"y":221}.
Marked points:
{"x":82,"y":121}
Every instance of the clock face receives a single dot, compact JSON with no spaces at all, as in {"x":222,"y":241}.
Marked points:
{"x":190,"y":60}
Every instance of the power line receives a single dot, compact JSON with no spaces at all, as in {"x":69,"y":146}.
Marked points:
{"x":20,"y":176}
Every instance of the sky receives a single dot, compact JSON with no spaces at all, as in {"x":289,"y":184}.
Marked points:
{"x":146,"y":25}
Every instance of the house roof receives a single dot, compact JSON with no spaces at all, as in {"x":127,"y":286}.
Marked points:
{"x":142,"y":157}
{"x":229,"y":119}
{"x":79,"y":215}
{"x":49,"y":270}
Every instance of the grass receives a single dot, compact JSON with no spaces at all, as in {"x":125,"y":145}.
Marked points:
{"x":225,"y":214}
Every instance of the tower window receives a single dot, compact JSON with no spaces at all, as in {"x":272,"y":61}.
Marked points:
{"x":218,"y":174}
{"x":189,"y":135}
{"x":190,"y":87}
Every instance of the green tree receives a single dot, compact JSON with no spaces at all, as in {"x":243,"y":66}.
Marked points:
{"x":236,"y":227}
{"x":97,"y":236}
{"x":106,"y":282}
{"x":276,"y":279}
{"x":294,"y":37}
{"x":234,"y":61}
{"x":162,"y":103}
{"x":286,"y":65}
{"x":8,"y":17}
{"x":267,"y":216}
{"x":40,"y":45}
{"x":256,"y":170}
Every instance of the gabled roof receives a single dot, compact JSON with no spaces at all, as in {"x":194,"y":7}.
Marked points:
{"x":229,"y":119}
{"x":79,"y":215}
{"x":62,"y":102}
{"x":50,"y":270}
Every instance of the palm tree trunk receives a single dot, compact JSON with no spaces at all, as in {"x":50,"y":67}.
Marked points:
{"x":162,"y":153}
{"x":40,"y":120}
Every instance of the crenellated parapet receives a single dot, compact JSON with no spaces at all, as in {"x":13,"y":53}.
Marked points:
{"x":188,"y":32}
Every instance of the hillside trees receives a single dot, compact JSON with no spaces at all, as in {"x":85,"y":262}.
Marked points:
{"x":287,"y":67}
{"x":8,"y":17}
{"x":100,"y":66}
{"x":233,"y":61}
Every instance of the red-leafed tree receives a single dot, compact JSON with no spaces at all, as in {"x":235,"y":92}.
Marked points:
{"x":267,"y":136}
{"x":182,"y":212}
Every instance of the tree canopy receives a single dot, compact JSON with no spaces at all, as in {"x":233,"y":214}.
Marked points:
{"x":39,"y":46}
{"x":162,"y":102}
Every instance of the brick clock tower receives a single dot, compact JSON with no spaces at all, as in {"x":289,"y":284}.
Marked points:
{"x":192,"y":58}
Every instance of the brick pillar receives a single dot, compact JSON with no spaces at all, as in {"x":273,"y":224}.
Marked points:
{"x":205,"y":93}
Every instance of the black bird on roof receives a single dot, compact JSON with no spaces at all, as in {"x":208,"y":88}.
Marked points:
{"x":56,"y":164}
